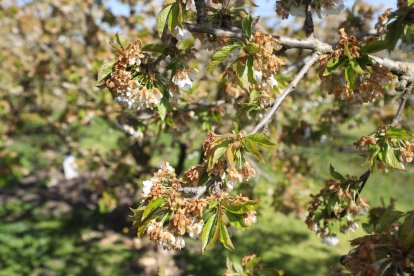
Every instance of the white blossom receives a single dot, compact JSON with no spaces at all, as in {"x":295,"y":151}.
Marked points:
{"x":182,"y":34}
{"x":258,"y":75}
{"x":146,"y":190}
{"x":330,"y":240}
{"x":69,"y":167}
{"x":183,"y":81}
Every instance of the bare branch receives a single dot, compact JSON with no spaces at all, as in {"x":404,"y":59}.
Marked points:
{"x":286,"y":92}
{"x":308,"y":26}
{"x":201,"y":11}
{"x":400,"y":110}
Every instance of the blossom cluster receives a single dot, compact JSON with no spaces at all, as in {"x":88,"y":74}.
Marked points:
{"x":364,"y":81}
{"x":183,"y":215}
{"x":128,"y":83}
{"x":298,"y":7}
{"x":166,"y":214}
{"x":387,"y":250}
{"x":388,"y":147}
{"x":266,"y":63}
{"x":222,"y":168}
{"x":337,"y":202}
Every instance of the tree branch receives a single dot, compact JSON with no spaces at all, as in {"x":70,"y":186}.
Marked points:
{"x":201,"y":11}
{"x":396,"y":67}
{"x":308,"y":26}
{"x":401,"y":107}
{"x":286,"y":92}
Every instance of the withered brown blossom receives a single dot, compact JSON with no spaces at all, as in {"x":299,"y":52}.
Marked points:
{"x":337,"y":202}
{"x":368,"y":87}
{"x":123,"y":84}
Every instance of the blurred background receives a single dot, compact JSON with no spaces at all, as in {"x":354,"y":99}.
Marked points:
{"x":70,"y":168}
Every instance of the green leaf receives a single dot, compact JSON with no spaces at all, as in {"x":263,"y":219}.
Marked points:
{"x":162,"y":108}
{"x":261,"y":139}
{"x":335,"y":174}
{"x":250,"y":73}
{"x":375,"y":46}
{"x":230,"y":156}
{"x":235,"y":220}
{"x":152,"y":206}
{"x":399,"y":133}
{"x":333,"y":65}
{"x":162,"y":19}
{"x":120,"y":41}
{"x":173,"y":17}
{"x":389,"y":217}
{"x":346,"y":50}
{"x":215,"y":236}
{"x":350,"y":76}
{"x":221,"y":55}
{"x":155,"y":48}
{"x":252,"y":148}
{"x":225,"y":237}
{"x":391,"y":159}
{"x":252,"y":48}
{"x":241,"y":208}
{"x":356,"y":67}
{"x":254,"y":95}
{"x":104,"y":72}
{"x":206,"y":234}
{"x":395,"y":31}
{"x":218,"y":153}
{"x":247,"y":25}
{"x":242,"y":72}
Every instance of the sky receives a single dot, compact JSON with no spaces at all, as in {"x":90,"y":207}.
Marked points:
{"x":265,"y":6}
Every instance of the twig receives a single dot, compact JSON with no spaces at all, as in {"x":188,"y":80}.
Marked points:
{"x":308,"y":26}
{"x":286,"y":92}
{"x":400,"y":110}
{"x":200,"y":190}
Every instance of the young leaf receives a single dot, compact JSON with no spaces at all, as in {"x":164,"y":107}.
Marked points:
{"x":225,"y":237}
{"x":252,"y":48}
{"x":241,"y":208}
{"x":250,"y":73}
{"x":333,"y":65}
{"x":357,"y":68}
{"x":399,"y":133}
{"x":162,"y":19}
{"x":221,"y":55}
{"x":206,"y":234}
{"x":152,"y":206}
{"x":247,"y":25}
{"x":335,"y":174}
{"x":235,"y":220}
{"x":173,"y":17}
{"x":104,"y":72}
{"x":162,"y":109}
{"x":251,"y":147}
{"x":350,"y":76}
{"x":218,"y":153}
{"x":375,"y":46}
{"x":392,"y":160}
{"x":261,"y":139}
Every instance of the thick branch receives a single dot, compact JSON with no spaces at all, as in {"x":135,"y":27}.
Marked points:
{"x":308,"y":26}
{"x":396,"y":67}
{"x":201,"y":11}
{"x":286,"y":92}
